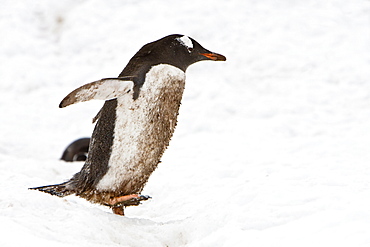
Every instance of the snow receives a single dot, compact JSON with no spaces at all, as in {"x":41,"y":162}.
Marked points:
{"x":271,"y":146}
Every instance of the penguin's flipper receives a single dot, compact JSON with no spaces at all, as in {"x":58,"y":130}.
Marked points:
{"x":60,"y":190}
{"x":104,"y":89}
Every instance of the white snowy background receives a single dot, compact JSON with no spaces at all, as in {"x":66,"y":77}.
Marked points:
{"x":272,"y":147}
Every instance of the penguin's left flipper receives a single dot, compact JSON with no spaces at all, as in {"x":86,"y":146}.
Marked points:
{"x":104,"y":89}
{"x":128,"y":200}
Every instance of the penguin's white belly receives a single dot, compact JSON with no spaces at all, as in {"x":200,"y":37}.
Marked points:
{"x":143,"y":129}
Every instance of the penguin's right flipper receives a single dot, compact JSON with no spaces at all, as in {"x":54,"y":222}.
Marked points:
{"x":60,"y":190}
{"x":104,"y":89}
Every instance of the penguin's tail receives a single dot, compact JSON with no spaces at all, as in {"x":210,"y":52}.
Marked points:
{"x":60,"y":190}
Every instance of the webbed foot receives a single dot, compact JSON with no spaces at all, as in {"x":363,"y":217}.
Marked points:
{"x":118,"y":203}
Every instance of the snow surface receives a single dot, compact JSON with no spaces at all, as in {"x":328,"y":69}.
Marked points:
{"x":271,"y":148}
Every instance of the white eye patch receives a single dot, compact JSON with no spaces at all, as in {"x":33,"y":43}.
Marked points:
{"x":186,"y":41}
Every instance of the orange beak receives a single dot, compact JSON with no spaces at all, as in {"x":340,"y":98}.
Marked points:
{"x":214,"y":56}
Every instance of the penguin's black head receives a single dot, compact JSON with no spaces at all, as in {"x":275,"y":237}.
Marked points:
{"x":177,"y":50}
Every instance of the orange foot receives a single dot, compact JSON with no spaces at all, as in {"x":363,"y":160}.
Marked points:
{"x":118,"y":210}
{"x":118,"y":203}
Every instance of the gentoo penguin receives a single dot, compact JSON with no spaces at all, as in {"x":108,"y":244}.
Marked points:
{"x":77,"y":150}
{"x":135,"y":124}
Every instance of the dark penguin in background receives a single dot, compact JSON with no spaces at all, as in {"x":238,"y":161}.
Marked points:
{"x":135,"y":124}
{"x":77,"y":150}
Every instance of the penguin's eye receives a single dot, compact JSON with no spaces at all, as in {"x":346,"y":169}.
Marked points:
{"x":190,"y":49}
